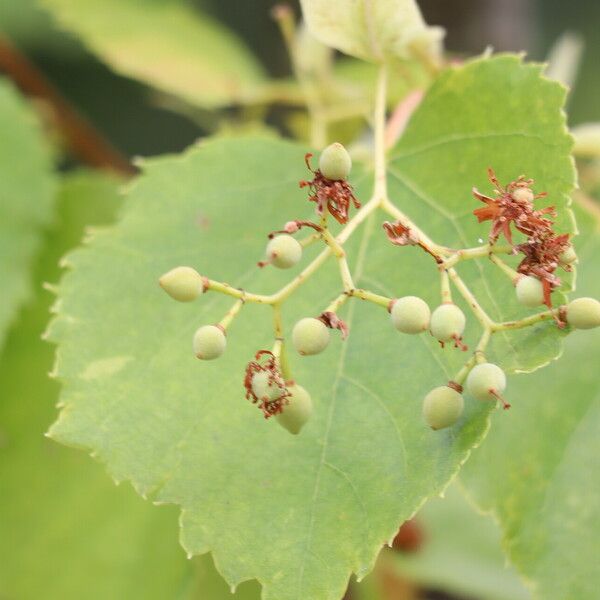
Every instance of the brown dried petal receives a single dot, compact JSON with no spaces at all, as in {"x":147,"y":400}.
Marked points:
{"x":334,"y":196}
{"x":332,"y":321}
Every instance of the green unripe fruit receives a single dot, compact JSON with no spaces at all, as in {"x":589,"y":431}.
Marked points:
{"x":530,"y":291}
{"x":182,"y":283}
{"x":335,"y":162}
{"x":310,"y":336}
{"x":486,"y":381}
{"x":447,"y":323}
{"x":583,"y":313}
{"x":568,"y":256}
{"x":284,"y":251}
{"x":297,"y":412}
{"x":410,"y":314}
{"x":442,"y":407}
{"x":523,"y":194}
{"x":209,"y":342}
{"x":264,"y":389}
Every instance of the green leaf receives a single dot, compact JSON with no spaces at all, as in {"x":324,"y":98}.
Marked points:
{"x":538,"y":471}
{"x":57,"y":510}
{"x":495,"y":113}
{"x":374,"y":30}
{"x":296,"y":513}
{"x":166,"y":44}
{"x":460,"y":554}
{"x":27,"y":188}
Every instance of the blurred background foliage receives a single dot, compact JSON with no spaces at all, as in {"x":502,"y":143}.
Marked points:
{"x":131,"y":115}
{"x":65,"y":530}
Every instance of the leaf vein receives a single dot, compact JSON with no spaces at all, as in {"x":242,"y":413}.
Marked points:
{"x":463,"y":137}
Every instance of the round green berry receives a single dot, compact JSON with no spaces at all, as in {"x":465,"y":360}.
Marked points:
{"x":447,"y":323}
{"x":297,"y":412}
{"x":310,"y":336}
{"x":182,"y":283}
{"x":209,"y":342}
{"x":486,"y":381}
{"x":568,"y":256}
{"x":410,"y":314}
{"x":583,"y":313}
{"x":335,"y":162}
{"x":523,"y":194}
{"x":263,"y":388}
{"x":284,"y":251}
{"x":442,"y":407}
{"x":530,"y":291}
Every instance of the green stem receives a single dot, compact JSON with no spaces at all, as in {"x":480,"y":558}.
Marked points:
{"x":345,"y":274}
{"x":477,"y":357}
{"x":371,"y":297}
{"x":279,"y":348}
{"x":318,"y":124}
{"x":527,"y":321}
{"x":228,"y":290}
{"x":445,"y":287}
{"x":474,"y":305}
{"x":335,"y":246}
{"x":225,"y":322}
{"x":380,"y":190}
{"x":477,"y":252}
{"x":508,"y":271}
{"x":310,"y":239}
{"x":482,"y":345}
{"x":337,"y":303}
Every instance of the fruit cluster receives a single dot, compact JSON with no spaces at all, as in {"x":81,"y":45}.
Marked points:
{"x":268,"y":381}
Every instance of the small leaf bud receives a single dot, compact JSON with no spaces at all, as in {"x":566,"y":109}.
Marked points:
{"x":284,"y":251}
{"x":486,"y":381}
{"x":182,"y":283}
{"x":335,"y":162}
{"x":442,"y":407}
{"x":209,"y":342}
{"x":583,"y":313}
{"x":447,"y":323}
{"x":310,"y":336}
{"x":297,"y":411}
{"x":410,"y":315}
{"x":530,"y":291}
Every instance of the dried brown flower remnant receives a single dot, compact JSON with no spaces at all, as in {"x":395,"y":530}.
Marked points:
{"x":278,"y":395}
{"x":541,"y":260}
{"x":335,"y":196}
{"x":332,"y":321}
{"x":513,"y":205}
{"x":401,"y":235}
{"x":292,"y":227}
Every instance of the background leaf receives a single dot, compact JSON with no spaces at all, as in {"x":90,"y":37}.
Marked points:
{"x":26,"y":199}
{"x":297,"y":513}
{"x":65,"y":527}
{"x":166,"y":44}
{"x":461,"y":553}
{"x":373,"y":30}
{"x":537,"y":471}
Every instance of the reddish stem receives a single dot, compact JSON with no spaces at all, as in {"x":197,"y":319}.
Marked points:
{"x":83,"y":139}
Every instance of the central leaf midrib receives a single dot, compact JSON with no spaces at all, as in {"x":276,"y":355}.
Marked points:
{"x":368,"y":232}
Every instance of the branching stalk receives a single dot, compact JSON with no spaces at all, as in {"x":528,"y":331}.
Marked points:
{"x":446,"y":258}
